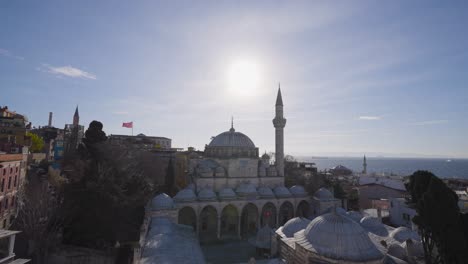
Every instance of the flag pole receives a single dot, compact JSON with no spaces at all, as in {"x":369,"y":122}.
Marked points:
{"x":132,"y":128}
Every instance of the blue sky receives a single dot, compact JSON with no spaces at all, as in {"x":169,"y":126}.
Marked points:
{"x":382,"y":78}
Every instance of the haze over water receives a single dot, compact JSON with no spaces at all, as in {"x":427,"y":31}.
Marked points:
{"x":455,"y":168}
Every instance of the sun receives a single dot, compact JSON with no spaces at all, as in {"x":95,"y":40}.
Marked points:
{"x":244,"y":78}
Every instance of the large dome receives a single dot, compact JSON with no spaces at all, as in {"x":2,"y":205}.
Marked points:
{"x":337,"y":237}
{"x":232,"y":138}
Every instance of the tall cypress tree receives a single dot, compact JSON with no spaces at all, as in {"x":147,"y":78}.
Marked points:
{"x":438,"y":219}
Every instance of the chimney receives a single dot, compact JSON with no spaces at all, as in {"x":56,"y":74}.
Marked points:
{"x":50,"y":119}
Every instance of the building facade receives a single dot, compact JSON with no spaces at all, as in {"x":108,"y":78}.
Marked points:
{"x":11,"y":168}
{"x":142,"y":141}
{"x":13,"y":127}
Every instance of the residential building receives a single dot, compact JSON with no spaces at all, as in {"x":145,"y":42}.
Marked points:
{"x":142,"y":141}
{"x":400,"y":213}
{"x":372,"y":188}
{"x":13,"y":127}
{"x":7,"y":244}
{"x":10,"y":180}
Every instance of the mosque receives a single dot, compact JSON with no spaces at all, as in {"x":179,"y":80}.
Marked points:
{"x":235,"y":194}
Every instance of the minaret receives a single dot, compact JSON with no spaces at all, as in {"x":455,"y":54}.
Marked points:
{"x":76,"y":117}
{"x":364,"y":165}
{"x":279,"y":122}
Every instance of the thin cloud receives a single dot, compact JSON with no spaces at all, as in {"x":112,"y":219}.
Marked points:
{"x":431,"y":122}
{"x":9,"y":54}
{"x":68,"y":71}
{"x":370,"y":118}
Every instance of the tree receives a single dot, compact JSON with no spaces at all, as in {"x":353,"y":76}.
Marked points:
{"x":37,"y":143}
{"x":38,"y":215}
{"x":106,"y":194}
{"x":438,"y":219}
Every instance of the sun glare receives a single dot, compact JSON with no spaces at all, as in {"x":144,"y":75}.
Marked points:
{"x":244,"y":78}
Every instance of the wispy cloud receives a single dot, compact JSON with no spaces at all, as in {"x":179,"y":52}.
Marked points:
{"x":370,"y":118}
{"x":431,"y":122}
{"x":67,"y":71}
{"x":9,"y":54}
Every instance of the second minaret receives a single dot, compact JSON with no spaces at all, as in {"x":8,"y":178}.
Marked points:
{"x":279,"y":122}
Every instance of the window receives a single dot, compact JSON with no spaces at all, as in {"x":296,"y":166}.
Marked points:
{"x":16,"y":181}
{"x":4,"y":172}
{"x":11,"y":170}
{"x":6,"y":203}
{"x":4,"y":223}
{"x":3,"y":184}
{"x":12,"y":201}
{"x":9,"y":183}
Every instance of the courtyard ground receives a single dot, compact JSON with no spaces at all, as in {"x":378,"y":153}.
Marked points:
{"x":229,"y":251}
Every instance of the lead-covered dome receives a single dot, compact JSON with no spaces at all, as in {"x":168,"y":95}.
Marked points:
{"x":298,"y":191}
{"x":245,"y":189}
{"x":206,"y":194}
{"x":282,"y":192}
{"x":337,"y":237}
{"x":162,"y":202}
{"x":354,"y":215}
{"x":374,"y":225}
{"x":265,"y":192}
{"x":185,"y":195}
{"x":232,"y":138}
{"x":402,"y":234}
{"x":323,"y":194}
{"x":293,"y":225}
{"x":227,"y":194}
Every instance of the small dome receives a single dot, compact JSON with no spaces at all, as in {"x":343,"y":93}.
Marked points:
{"x":162,"y":202}
{"x":282,"y":191}
{"x":337,"y":237}
{"x":355,"y":216}
{"x":246,"y":189}
{"x":206,"y":194}
{"x":266,"y":156}
{"x":265,"y":192}
{"x":185,"y":195}
{"x":298,"y":191}
{"x":374,"y":225}
{"x":141,"y":135}
{"x":293,"y":225}
{"x":227,"y":194}
{"x":232,"y":138}
{"x":323,"y":194}
{"x":402,"y":234}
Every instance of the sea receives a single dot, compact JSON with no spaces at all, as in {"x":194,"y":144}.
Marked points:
{"x":443,"y":168}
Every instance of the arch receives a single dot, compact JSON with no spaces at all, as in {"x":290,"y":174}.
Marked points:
{"x":249,"y":220}
{"x":208,"y":223}
{"x":268,"y":216}
{"x":303,"y":209}
{"x":187,"y":216}
{"x":286,"y":212}
{"x":229,"y":221}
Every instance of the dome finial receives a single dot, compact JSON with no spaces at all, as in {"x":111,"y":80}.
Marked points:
{"x":232,"y":125}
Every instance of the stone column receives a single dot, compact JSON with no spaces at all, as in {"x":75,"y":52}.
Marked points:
{"x":239,"y":227}
{"x":219,"y":227}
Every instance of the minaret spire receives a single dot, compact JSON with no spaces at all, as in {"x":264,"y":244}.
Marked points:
{"x":279,"y":122}
{"x":279,"y":99}
{"x":76,"y":117}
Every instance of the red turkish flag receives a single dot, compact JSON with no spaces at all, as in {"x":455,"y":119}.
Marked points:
{"x":128,"y":124}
